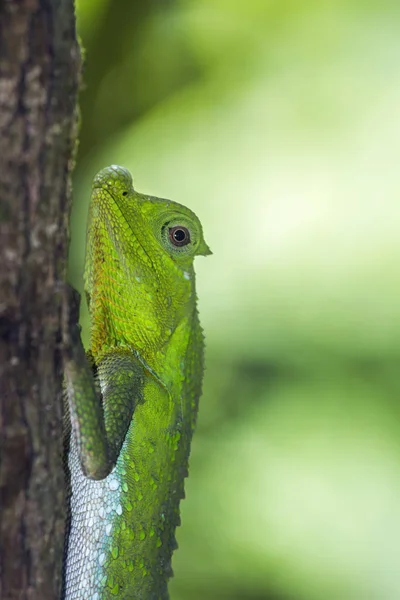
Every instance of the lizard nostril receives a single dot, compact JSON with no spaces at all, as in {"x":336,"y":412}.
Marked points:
{"x":113,"y":177}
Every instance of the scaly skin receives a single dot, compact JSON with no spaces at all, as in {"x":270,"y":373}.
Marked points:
{"x":133,"y":397}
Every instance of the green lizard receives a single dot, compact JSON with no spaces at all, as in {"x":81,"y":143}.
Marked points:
{"x":133,"y":396}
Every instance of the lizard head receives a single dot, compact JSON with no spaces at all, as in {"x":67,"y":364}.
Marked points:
{"x":139,"y":276}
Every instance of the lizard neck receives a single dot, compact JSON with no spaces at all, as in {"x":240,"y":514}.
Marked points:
{"x":128,"y":312}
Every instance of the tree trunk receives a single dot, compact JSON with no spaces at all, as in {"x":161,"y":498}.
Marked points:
{"x":39,"y":78}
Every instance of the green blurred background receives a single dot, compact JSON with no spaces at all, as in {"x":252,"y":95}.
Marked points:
{"x":278,"y":123}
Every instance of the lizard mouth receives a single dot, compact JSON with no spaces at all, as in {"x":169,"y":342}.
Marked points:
{"x":113,"y":196}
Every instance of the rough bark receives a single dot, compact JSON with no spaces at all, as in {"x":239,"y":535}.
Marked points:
{"x":39,"y":77}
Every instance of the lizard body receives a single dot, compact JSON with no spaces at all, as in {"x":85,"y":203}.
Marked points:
{"x":133,"y":397}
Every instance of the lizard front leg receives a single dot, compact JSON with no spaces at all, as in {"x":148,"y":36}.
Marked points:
{"x":100,"y":417}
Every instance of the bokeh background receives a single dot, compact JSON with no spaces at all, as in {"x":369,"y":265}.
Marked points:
{"x":278,"y":123}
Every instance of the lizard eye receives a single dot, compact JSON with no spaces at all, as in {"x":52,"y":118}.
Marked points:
{"x":179,"y":235}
